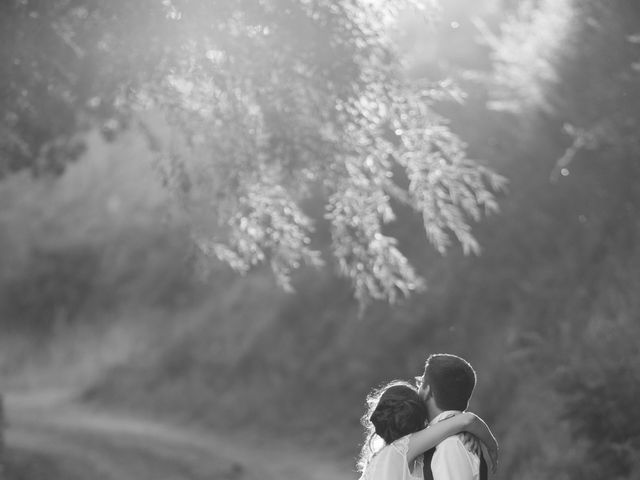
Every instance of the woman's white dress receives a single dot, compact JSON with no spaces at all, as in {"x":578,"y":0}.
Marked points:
{"x":390,"y":463}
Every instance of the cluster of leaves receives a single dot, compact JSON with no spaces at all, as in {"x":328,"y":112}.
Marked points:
{"x":531,"y":42}
{"x":539,"y":61}
{"x":263,"y":102}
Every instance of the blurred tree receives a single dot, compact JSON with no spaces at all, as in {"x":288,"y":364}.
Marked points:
{"x":249,"y":107}
{"x":575,"y":65}
{"x":601,"y":386}
{"x":577,"y":61}
{"x":558,"y":274}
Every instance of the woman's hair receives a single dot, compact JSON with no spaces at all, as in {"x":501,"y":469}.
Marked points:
{"x":393,"y":411}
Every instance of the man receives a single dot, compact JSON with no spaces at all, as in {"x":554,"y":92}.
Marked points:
{"x":446,"y":387}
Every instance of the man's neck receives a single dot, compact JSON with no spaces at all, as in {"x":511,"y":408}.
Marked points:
{"x":443,"y":415}
{"x":433,"y":411}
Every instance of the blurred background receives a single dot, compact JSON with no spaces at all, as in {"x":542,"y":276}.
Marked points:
{"x":143,"y":145}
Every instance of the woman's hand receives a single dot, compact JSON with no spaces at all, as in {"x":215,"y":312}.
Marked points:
{"x":474,"y":445}
{"x":493,"y":453}
{"x":478,"y":428}
{"x":471,"y":443}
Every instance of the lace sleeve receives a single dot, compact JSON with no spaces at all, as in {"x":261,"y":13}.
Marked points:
{"x":409,"y":470}
{"x":402,"y":445}
{"x":387,"y":464}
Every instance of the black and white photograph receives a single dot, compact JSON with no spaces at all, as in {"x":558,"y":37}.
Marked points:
{"x":319,"y":239}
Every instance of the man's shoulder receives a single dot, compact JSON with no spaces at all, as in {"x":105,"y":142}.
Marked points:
{"x":452,"y":460}
{"x":454,"y":441}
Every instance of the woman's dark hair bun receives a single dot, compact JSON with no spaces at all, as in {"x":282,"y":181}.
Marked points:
{"x":393,"y":411}
{"x":399,"y":414}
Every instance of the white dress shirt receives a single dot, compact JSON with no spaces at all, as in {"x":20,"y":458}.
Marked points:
{"x":452,"y":460}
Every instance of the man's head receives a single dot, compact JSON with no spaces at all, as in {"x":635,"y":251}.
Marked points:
{"x":447,"y":383}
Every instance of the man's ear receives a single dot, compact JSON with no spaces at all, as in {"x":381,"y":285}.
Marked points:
{"x":427,"y":392}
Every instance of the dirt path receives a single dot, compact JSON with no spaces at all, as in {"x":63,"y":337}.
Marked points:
{"x":103,"y":445}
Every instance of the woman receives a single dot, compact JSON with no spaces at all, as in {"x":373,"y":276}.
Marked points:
{"x":396,"y":415}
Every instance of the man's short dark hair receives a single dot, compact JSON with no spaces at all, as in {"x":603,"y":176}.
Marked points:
{"x":452,"y":380}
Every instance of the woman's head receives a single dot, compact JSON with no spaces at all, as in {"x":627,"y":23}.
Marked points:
{"x":395,"y":410}
{"x":398,"y":412}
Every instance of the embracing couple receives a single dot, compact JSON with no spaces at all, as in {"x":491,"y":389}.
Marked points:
{"x":422,"y":432}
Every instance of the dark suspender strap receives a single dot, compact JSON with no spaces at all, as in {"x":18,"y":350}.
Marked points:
{"x":484,"y":474}
{"x":426,"y":468}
